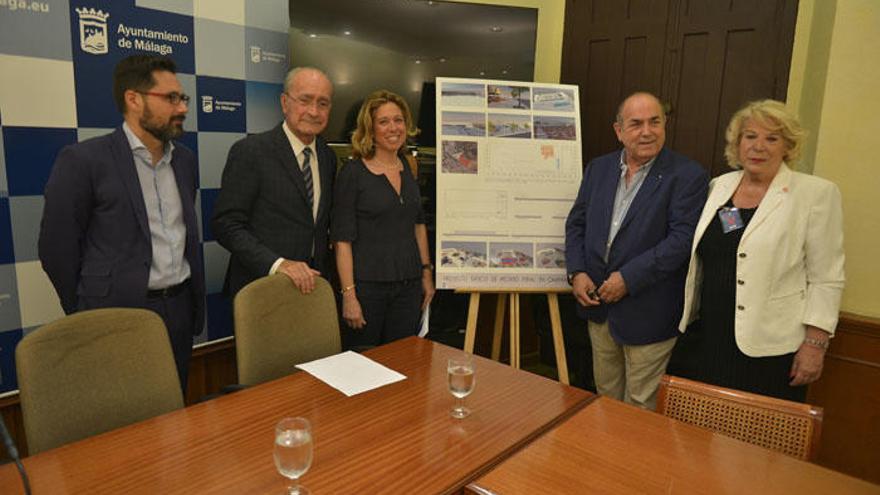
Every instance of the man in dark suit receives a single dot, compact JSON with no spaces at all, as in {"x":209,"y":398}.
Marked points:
{"x":627,"y":239}
{"x":119,"y":224}
{"x":273,"y":210}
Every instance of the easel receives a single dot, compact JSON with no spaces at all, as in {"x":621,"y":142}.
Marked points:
{"x":513,"y":295}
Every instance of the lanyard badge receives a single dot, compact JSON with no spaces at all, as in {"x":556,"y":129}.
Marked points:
{"x":730,"y":219}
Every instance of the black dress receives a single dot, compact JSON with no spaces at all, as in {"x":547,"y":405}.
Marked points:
{"x":708,"y":350}
{"x":380,"y":225}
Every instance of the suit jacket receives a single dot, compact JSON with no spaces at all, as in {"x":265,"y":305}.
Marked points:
{"x":262,"y":212}
{"x":789,"y":266}
{"x":95,"y":241}
{"x":650,"y":249}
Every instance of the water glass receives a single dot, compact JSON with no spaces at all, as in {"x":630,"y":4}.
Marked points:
{"x":460,"y":371}
{"x":293,"y":451}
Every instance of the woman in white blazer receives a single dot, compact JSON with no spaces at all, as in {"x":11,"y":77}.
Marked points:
{"x":766,"y":272}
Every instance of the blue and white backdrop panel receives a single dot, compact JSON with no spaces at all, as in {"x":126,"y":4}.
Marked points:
{"x":56,"y":65}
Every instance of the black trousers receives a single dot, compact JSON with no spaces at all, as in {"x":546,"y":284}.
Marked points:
{"x":392,"y":311}
{"x":177,"y":313}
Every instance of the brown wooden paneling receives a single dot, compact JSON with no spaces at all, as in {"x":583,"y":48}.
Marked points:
{"x":211,"y":368}
{"x":704,"y":58}
{"x":611,"y":49}
{"x":849,"y":390}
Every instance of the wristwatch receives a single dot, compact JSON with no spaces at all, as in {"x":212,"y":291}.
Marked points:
{"x":572,"y":275}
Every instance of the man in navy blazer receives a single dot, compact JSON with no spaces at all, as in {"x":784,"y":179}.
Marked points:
{"x":627,"y":240}
{"x":119,"y":224}
{"x":273,"y":210}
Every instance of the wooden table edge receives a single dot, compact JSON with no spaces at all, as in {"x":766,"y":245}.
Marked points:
{"x":470,"y":481}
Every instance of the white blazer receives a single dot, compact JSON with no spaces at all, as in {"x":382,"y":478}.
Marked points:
{"x":789,"y":264}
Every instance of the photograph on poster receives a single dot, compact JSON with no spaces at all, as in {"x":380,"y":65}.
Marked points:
{"x":463,"y":95}
{"x":550,"y":127}
{"x":511,"y":255}
{"x":518,"y":97}
{"x":457,"y":254}
{"x":459,"y":157}
{"x":549,"y":255}
{"x":463,"y":124}
{"x":507,"y":125}
{"x":553,"y":99}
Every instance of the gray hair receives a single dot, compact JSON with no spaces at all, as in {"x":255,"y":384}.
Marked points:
{"x":292,"y":73}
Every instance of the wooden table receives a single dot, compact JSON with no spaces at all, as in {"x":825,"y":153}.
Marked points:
{"x":612,"y":447}
{"x":396,"y":439}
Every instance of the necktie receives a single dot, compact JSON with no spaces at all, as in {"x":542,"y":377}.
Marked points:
{"x":307,"y":176}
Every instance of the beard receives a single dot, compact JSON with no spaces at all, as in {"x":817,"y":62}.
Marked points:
{"x":172,"y":129}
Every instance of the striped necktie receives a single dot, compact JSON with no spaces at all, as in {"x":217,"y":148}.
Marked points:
{"x":307,"y":176}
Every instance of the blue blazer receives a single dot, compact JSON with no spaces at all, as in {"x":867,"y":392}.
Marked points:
{"x":651,"y":248}
{"x":95,"y":241}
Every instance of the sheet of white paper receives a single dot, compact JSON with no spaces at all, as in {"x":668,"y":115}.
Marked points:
{"x":351,"y":373}
{"x":423,"y":324}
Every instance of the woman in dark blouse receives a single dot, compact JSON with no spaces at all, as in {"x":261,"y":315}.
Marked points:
{"x":378,"y":229}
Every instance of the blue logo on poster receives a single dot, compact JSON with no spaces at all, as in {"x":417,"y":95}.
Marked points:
{"x":103,"y":33}
{"x":220,"y":104}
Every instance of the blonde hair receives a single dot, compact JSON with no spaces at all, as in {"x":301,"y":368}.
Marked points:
{"x":773,"y":115}
{"x":362,"y":139}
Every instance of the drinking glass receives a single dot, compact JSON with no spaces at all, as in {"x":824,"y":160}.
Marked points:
{"x":460,"y":371}
{"x":293,"y":451}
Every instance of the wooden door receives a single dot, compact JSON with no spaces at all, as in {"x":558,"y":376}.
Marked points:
{"x":610,"y":49}
{"x":703,"y":58}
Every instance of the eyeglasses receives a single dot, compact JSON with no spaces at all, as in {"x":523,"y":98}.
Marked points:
{"x":174,"y":97}
{"x":307,"y":101}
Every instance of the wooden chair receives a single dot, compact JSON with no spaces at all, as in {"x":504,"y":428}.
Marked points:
{"x":92,"y":372}
{"x":788,"y":427}
{"x":278,"y":327}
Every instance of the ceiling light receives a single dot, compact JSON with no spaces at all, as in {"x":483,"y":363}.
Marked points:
{"x":496,"y":29}
{"x":347,"y":33}
{"x":313,"y":35}
{"x":442,"y":59}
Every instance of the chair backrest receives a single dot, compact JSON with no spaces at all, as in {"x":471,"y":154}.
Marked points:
{"x":788,"y":427}
{"x":278,"y":327}
{"x":92,"y":372}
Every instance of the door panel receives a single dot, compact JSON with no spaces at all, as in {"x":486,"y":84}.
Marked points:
{"x":703,"y":58}
{"x":611,"y":49}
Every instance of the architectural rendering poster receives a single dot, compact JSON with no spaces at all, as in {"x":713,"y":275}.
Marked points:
{"x":508,"y":171}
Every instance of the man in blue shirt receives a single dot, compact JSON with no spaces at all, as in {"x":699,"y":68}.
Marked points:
{"x":628,"y":238}
{"x":119,"y":224}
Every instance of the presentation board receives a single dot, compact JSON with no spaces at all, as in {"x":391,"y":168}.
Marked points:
{"x":508,"y":170}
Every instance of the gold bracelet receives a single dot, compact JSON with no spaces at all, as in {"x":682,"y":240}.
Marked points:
{"x":821,"y":344}
{"x":346,"y":289}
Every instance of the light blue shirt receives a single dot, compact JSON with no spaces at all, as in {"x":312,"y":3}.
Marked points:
{"x":164,"y":213}
{"x":624,"y":196}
